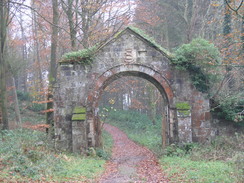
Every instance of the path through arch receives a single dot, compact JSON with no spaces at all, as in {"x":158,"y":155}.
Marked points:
{"x":130,"y":162}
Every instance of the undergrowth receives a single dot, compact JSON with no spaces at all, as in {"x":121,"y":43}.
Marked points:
{"x":106,"y":151}
{"x":28,"y":155}
{"x":222,"y":160}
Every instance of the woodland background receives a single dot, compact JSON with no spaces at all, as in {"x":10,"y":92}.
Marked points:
{"x":35,"y":34}
{"x":205,"y":37}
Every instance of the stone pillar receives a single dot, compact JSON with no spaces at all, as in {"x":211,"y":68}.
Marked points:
{"x":79,"y":142}
{"x":79,"y":133}
{"x":185,"y":128}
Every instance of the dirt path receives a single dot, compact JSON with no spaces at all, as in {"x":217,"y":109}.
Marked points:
{"x":130,"y":162}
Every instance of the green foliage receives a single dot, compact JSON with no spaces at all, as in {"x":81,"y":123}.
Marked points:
{"x":180,"y":151}
{"x":106,"y":151}
{"x":147,"y":134}
{"x":23,"y":96}
{"x":28,"y":99}
{"x":28,"y":156}
{"x":231,"y":108}
{"x":182,"y":169}
{"x":197,"y":58}
{"x":36,"y":107}
{"x":219,"y":161}
{"x":84,"y":56}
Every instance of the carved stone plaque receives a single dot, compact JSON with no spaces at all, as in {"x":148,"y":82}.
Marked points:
{"x":129,"y":56}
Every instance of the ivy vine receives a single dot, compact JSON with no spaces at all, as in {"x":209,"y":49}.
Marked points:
{"x":197,"y":58}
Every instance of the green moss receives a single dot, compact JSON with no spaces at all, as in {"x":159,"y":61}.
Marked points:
{"x":79,"y":110}
{"x":150,"y":40}
{"x":84,"y":56}
{"x":79,"y":113}
{"x":183,"y":108}
{"x":79,"y":117}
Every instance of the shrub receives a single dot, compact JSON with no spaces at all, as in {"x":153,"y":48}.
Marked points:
{"x":23,"y":96}
{"x":36,"y":107}
{"x":231,"y":108}
{"x":197,"y":58}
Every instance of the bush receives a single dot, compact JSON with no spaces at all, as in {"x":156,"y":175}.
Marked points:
{"x":36,"y":107}
{"x":231,"y":108}
{"x":197,"y":58}
{"x":23,"y":96}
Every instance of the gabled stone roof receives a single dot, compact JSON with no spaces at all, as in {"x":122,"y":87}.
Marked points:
{"x":143,"y":36}
{"x":85,"y":56}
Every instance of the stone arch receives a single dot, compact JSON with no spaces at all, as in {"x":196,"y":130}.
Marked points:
{"x":138,"y":70}
{"x":79,"y":86}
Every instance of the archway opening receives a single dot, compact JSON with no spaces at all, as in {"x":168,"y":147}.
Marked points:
{"x":137,"y":104}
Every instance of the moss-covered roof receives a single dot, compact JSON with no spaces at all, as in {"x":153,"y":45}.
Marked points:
{"x":85,"y":56}
{"x":150,"y":40}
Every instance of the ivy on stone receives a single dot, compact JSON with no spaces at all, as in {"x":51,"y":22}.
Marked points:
{"x":197,"y":58}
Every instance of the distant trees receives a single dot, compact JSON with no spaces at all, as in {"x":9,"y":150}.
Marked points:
{"x":173,"y":23}
{"x":132,"y":93}
{"x":34,"y":34}
{"x":42,"y":30}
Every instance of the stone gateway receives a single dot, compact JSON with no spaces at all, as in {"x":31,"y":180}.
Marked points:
{"x":186,"y":113}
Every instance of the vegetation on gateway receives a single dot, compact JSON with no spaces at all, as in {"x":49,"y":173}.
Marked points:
{"x":183,"y":107}
{"x":84,"y":56}
{"x":197,"y":58}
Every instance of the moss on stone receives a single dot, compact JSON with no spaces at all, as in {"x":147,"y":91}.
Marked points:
{"x":79,"y":110}
{"x":79,"y":117}
{"x":183,"y":107}
{"x":150,"y":40}
{"x":84,"y":56}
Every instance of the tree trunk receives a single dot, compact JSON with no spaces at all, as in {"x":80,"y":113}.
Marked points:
{"x":52,"y":71}
{"x":4,"y":13}
{"x":72,"y":28}
{"x":16,"y":104}
{"x":39,"y":84}
{"x":23,"y":75}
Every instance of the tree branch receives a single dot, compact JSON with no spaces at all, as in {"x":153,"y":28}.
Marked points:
{"x":237,"y":9}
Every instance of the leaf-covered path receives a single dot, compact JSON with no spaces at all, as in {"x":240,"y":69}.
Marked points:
{"x":130,"y":162}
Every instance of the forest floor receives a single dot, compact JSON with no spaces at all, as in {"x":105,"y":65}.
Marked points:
{"x":130,"y":162}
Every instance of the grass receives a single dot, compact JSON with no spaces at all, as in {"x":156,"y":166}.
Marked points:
{"x":220,"y":161}
{"x":182,"y":169}
{"x":27,"y":155}
{"x":147,"y":134}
